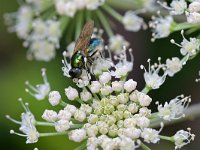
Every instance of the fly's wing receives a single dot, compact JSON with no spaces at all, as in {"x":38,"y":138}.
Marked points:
{"x":84,"y":38}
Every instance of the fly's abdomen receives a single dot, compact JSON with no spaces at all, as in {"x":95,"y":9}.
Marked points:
{"x":77,"y":60}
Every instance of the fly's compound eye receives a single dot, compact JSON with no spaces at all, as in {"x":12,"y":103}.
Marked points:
{"x":75,"y":72}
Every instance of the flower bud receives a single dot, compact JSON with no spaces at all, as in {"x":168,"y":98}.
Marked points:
{"x":49,"y":115}
{"x":117,"y":86}
{"x":54,"y":98}
{"x":79,"y":115}
{"x":130,"y":85}
{"x":71,"y":93}
{"x":62,"y":125}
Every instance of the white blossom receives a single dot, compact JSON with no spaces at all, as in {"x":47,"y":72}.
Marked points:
{"x":41,"y":90}
{"x":130,"y":85}
{"x":106,"y":90}
{"x":194,"y":7}
{"x":188,"y":47}
{"x":143,"y":99}
{"x":62,"y":125}
{"x":126,"y":143}
{"x":117,"y":42}
{"x":133,"y":133}
{"x":27,"y":125}
{"x":183,"y":138}
{"x":124,"y":66}
{"x":71,"y":108}
{"x":54,"y":98}
{"x":104,"y":78}
{"x":80,"y":115}
{"x":93,"y":4}
{"x":132,"y":22}
{"x":177,"y":7}
{"x":173,"y":66}
{"x":85,"y":95}
{"x":161,"y":26}
{"x":23,"y":18}
{"x":71,"y":93}
{"x":95,"y":87}
{"x":193,"y":17}
{"x":41,"y":50}
{"x":117,"y":86}
{"x":150,"y":135}
{"x":152,"y":78}
{"x":49,"y":115}
{"x":86,"y":108}
{"x":77,"y":135}
{"x":64,"y":115}
{"x":143,"y":122}
{"x":174,"y":109}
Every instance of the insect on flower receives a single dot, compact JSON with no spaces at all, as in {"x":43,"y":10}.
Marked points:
{"x":85,"y":51}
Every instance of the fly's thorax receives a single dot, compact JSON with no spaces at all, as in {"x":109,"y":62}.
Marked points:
{"x":77,"y":60}
{"x":94,"y":46}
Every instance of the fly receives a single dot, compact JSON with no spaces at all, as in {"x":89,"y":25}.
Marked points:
{"x":84,"y":51}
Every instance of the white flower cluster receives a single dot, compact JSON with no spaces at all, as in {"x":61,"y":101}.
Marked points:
{"x":70,"y":7}
{"x":179,"y":7}
{"x":111,"y":113}
{"x":43,"y":40}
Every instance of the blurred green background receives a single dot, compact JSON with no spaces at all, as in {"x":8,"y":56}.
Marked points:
{"x":15,"y":70}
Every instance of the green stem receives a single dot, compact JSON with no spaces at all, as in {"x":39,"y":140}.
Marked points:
{"x":112,"y":12}
{"x":52,"y":134}
{"x":146,"y":89}
{"x":182,"y":26}
{"x":80,"y":101}
{"x":82,"y":146}
{"x":62,"y":103}
{"x":125,"y":4}
{"x":154,"y":115}
{"x":105,"y":23}
{"x":145,"y":147}
{"x":64,"y":22}
{"x":191,"y":113}
{"x":166,"y":138}
{"x":76,"y":126}
{"x":40,"y":123}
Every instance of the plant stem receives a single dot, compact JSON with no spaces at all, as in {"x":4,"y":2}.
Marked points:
{"x":145,"y":147}
{"x":52,"y":134}
{"x":62,"y":103}
{"x":40,"y":123}
{"x":191,"y":113}
{"x":166,"y":138}
{"x":82,"y":146}
{"x":112,"y":12}
{"x":105,"y":23}
{"x":146,"y":89}
{"x":76,"y":126}
{"x":185,"y":25}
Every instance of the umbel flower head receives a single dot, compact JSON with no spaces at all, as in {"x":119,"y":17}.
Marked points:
{"x":111,"y":113}
{"x":42,"y":24}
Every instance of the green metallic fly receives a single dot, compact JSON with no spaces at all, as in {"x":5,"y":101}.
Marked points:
{"x":84,"y":51}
